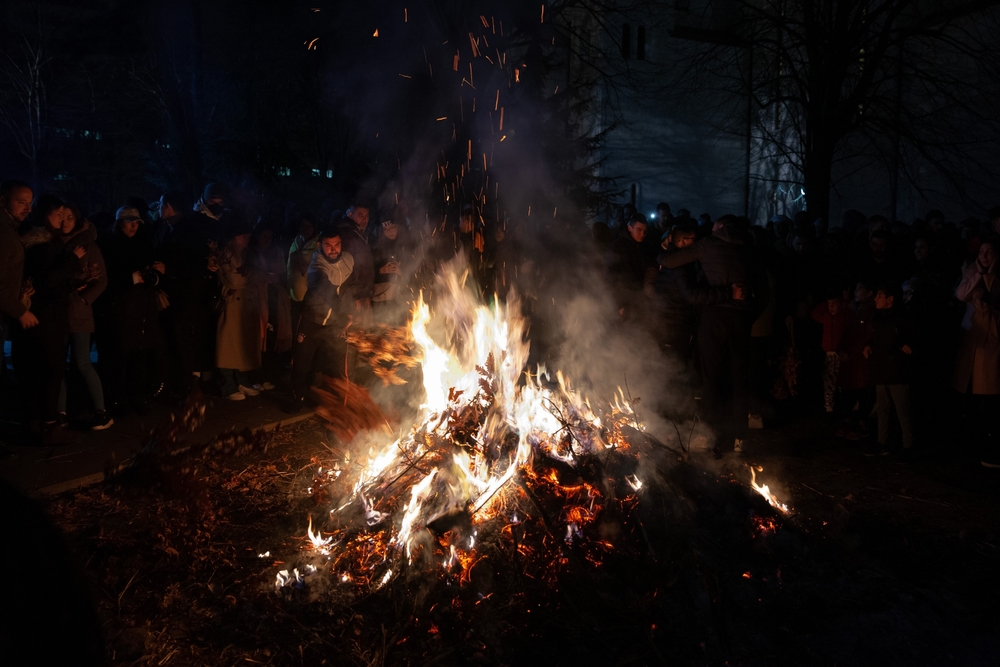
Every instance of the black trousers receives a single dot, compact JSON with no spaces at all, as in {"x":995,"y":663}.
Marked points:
{"x":724,"y":351}
{"x":317,"y":349}
{"x":190,"y":332}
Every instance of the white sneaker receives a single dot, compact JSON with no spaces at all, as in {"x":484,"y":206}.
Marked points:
{"x":738,"y":446}
{"x":267,"y":386}
{"x":248,"y":391}
{"x":236,"y":396}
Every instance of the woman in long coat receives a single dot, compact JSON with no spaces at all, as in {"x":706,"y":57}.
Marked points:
{"x":240,"y":331}
{"x":977,"y":371}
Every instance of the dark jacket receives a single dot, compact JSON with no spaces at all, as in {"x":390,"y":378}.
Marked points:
{"x":629,"y":266}
{"x":183,"y":247}
{"x":891,"y":330}
{"x":134,"y":305}
{"x":679,"y":294}
{"x":727,"y":257}
{"x":81,"y":302}
{"x":11,"y":267}
{"x":328,"y":300}
{"x":355,"y":241}
{"x":51,"y":270}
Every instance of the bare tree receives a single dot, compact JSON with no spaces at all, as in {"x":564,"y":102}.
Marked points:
{"x":837,"y":86}
{"x":25,"y":76}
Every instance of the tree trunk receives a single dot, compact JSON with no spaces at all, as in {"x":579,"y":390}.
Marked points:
{"x":817,"y":167}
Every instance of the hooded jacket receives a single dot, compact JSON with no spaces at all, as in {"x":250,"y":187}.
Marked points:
{"x":327,"y":297}
{"x":11,"y":267}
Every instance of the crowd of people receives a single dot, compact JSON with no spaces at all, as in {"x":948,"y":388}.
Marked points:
{"x":179,"y":294}
{"x":885,"y":326}
{"x":891,"y":327}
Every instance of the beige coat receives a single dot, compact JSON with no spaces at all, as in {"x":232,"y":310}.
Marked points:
{"x":240,"y":332}
{"x":979,"y":355}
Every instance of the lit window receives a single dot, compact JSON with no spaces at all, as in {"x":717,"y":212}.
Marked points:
{"x":329,"y":173}
{"x":284,"y":171}
{"x":315,"y":172}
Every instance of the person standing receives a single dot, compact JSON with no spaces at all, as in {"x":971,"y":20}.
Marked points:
{"x":889,"y":352}
{"x":977,"y":372}
{"x":354,"y":236}
{"x":299,"y":256}
{"x":136,"y":337}
{"x":680,"y":294}
{"x":77,"y":232}
{"x":727,"y":258}
{"x":326,"y":314}
{"x":630,"y":268}
{"x":40,"y":353}
{"x":239,"y":332}
{"x":15,"y":205}
{"x":181,"y":252}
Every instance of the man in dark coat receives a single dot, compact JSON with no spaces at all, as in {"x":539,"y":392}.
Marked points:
{"x":181,"y":253}
{"x":727,"y":258}
{"x":15,"y":205}
{"x":630,"y":268}
{"x":680,"y":293}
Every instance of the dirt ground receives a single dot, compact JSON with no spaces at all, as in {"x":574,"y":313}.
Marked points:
{"x":879,"y":561}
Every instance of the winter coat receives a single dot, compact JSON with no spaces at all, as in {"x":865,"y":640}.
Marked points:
{"x":299,"y":256}
{"x":182,"y":245}
{"x":855,"y":373}
{"x":11,"y":267}
{"x":891,"y":330}
{"x":51,"y":270}
{"x":630,"y":268}
{"x":727,"y":257}
{"x":240,"y":329}
{"x":134,"y":305}
{"x":327,"y":301}
{"x":355,"y":242}
{"x":81,"y":302}
{"x":979,"y":354}
{"x":678,"y":296}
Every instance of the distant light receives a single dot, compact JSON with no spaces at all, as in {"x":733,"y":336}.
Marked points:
{"x":315,"y":172}
{"x":652,"y":216}
{"x":329,"y":174}
{"x":376,"y":33}
{"x":284,"y":171}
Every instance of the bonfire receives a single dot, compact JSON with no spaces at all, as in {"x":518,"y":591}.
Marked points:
{"x":498,"y":457}
{"x":501,"y":459}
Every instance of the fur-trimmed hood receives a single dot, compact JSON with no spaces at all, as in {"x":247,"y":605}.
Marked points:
{"x":36,"y":236}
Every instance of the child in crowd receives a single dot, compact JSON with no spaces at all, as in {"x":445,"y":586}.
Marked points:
{"x":855,"y":372}
{"x":889,"y":352}
{"x":832,"y":315}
